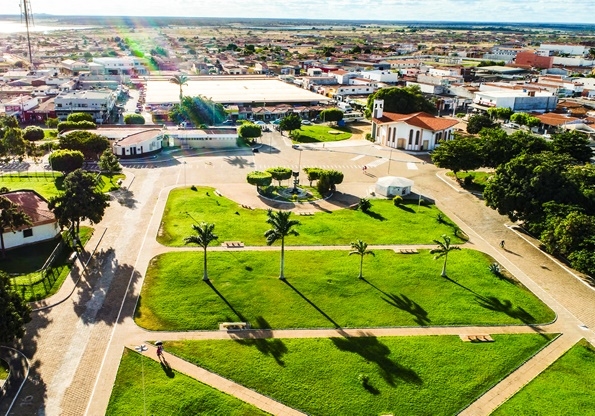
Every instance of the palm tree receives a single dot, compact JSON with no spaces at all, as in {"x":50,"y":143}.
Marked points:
{"x":442,"y":251}
{"x":282,"y":226}
{"x":179,"y":80}
{"x":204,"y":236}
{"x":360,"y":248}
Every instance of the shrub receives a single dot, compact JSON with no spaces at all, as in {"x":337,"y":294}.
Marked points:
{"x":78,"y":117}
{"x":468,"y":181}
{"x":495,"y":269}
{"x":369,"y":137}
{"x":80,"y":125}
{"x":193,"y":188}
{"x":397,"y":200}
{"x":33,"y":133}
{"x":134,"y":119}
{"x":364,"y":205}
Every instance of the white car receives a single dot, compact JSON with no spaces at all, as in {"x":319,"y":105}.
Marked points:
{"x":306,"y":122}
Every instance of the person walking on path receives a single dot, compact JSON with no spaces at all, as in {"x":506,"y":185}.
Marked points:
{"x":502,"y":244}
{"x":160,"y":352}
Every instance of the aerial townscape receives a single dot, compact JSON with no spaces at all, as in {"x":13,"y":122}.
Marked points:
{"x":331,"y":208}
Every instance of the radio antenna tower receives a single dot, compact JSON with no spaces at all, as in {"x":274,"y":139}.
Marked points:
{"x":26,"y":13}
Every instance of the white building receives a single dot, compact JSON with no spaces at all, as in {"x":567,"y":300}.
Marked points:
{"x":128,"y":65}
{"x":416,"y":131}
{"x":516,"y":100}
{"x":140,"y":143}
{"x":381,"y":76}
{"x":390,"y":186}
{"x":97,"y":103}
{"x":204,"y":139}
{"x":565,"y":49}
{"x":43,"y":222}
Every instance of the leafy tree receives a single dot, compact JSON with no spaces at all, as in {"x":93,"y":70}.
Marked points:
{"x":281,"y":227}
{"x":52,"y":123}
{"x":461,"y":153}
{"x":525,"y":119}
{"x":249,"y":131}
{"x":11,"y":218}
{"x":13,"y":143}
{"x":259,"y":179}
{"x":33,"y":133}
{"x":74,"y":125}
{"x":204,"y":236}
{"x":109,"y":163}
{"x":90,"y":144}
{"x":477,"y":122}
{"x":280,"y":173}
{"x":530,"y":143}
{"x":521,"y":187}
{"x":442,"y":250}
{"x":573,"y":143}
{"x":334,"y":177}
{"x":198,"y":111}
{"x":14,"y":312}
{"x":134,"y":119}
{"x":313,"y":174}
{"x":361,"y":249}
{"x":81,"y":200}
{"x":290,"y":123}
{"x":179,"y":80}
{"x":403,"y":100}
{"x":331,"y":114}
{"x":500,"y":113}
{"x":66,"y":161}
{"x":78,"y":117}
{"x":497,"y":147}
{"x":8,"y":122}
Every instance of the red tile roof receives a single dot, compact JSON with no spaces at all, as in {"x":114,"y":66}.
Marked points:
{"x":421,"y":120}
{"x":554,"y":119}
{"x":32,"y":204}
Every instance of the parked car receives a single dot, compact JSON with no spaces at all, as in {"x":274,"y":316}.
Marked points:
{"x":306,"y":122}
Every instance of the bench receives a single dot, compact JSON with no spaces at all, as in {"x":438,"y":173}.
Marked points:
{"x":477,"y":338}
{"x":408,"y":251}
{"x":306,"y":214}
{"x":233,"y":326}
{"x":233,"y":244}
{"x":247,"y":206}
{"x":217,"y":193}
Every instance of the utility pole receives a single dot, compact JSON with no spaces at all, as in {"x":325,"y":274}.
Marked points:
{"x":28,"y":15}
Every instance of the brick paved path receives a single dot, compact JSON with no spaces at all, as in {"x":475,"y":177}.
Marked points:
{"x":76,"y":345}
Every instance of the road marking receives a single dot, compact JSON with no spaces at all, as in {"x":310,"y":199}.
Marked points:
{"x":411,"y":166}
{"x":358,"y":157}
{"x":377,"y":163}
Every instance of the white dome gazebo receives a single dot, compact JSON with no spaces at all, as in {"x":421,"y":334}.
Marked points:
{"x":390,"y":186}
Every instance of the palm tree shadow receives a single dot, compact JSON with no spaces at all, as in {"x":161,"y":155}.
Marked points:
{"x":238,"y":314}
{"x":464,"y":287}
{"x":312,"y":304}
{"x":375,"y":215}
{"x":405,"y":304}
{"x":410,"y":306}
{"x":505,"y":306}
{"x":267,"y":346}
{"x":372,"y":350}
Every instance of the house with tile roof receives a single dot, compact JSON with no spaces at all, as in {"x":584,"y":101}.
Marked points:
{"x":417,"y":131}
{"x":44,"y":225}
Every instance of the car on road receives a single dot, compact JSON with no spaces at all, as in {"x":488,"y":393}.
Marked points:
{"x":295,"y":146}
{"x":255,"y":151}
{"x":306,"y":122}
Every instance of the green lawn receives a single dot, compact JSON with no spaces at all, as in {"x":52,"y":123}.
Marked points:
{"x":565,"y":388}
{"x":477,"y":180}
{"x":321,"y":133}
{"x":323,"y":291}
{"x":3,"y":370}
{"x":385,"y":224}
{"x":49,"y":184}
{"x":433,"y":375}
{"x":25,"y":263}
{"x":167,"y":392}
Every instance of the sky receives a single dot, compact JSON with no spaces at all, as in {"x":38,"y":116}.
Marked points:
{"x":532,"y":11}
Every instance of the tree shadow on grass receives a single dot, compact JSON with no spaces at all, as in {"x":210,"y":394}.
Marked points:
{"x":375,"y":215}
{"x":372,"y":350}
{"x":505,"y":306}
{"x":405,"y":304}
{"x":405,"y":208}
{"x":312,"y":304}
{"x":267,"y":346}
{"x":238,"y":314}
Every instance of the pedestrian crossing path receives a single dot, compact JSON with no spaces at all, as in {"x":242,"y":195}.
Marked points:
{"x":377,"y":162}
{"x":411,"y":166}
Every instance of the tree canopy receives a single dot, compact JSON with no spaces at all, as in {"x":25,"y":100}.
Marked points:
{"x":81,"y":200}
{"x":259,"y":179}
{"x":66,"y":160}
{"x":402,"y":100}
{"x":290,"y":123}
{"x":33,"y":133}
{"x":109,"y":163}
{"x":198,"y":111}
{"x":331,"y":114}
{"x":14,"y":312}
{"x":78,"y":117}
{"x":249,"y":131}
{"x":280,"y":173}
{"x":479,"y":121}
{"x":134,"y":119}
{"x":459,"y":154}
{"x":91,"y":145}
{"x":574,"y":144}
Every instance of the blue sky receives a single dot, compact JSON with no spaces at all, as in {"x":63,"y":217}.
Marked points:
{"x":535,"y":11}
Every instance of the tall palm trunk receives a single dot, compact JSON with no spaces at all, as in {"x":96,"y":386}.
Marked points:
{"x":281,"y":275}
{"x":361,"y":266}
{"x":2,"y":243}
{"x":444,"y":266}
{"x":205,"y":277}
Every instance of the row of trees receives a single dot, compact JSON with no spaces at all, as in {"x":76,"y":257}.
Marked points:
{"x":548,"y":186}
{"x":327,"y":180}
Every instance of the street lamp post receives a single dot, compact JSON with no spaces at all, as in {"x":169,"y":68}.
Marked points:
{"x":184,"y":167}
{"x":390,"y":158}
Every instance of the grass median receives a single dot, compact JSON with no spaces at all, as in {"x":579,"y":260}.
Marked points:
{"x":431,"y":375}
{"x":144,"y":386}
{"x":565,"y":388}
{"x":384,"y":224}
{"x":323,"y":291}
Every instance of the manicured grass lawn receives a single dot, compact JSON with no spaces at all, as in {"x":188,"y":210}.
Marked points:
{"x":434,"y":375}
{"x":320,"y":133}
{"x":323,"y":291}
{"x":48,"y":184}
{"x":478,"y":180}
{"x":27,"y":261}
{"x":565,"y":388}
{"x":385,"y":224}
{"x":167,"y":392}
